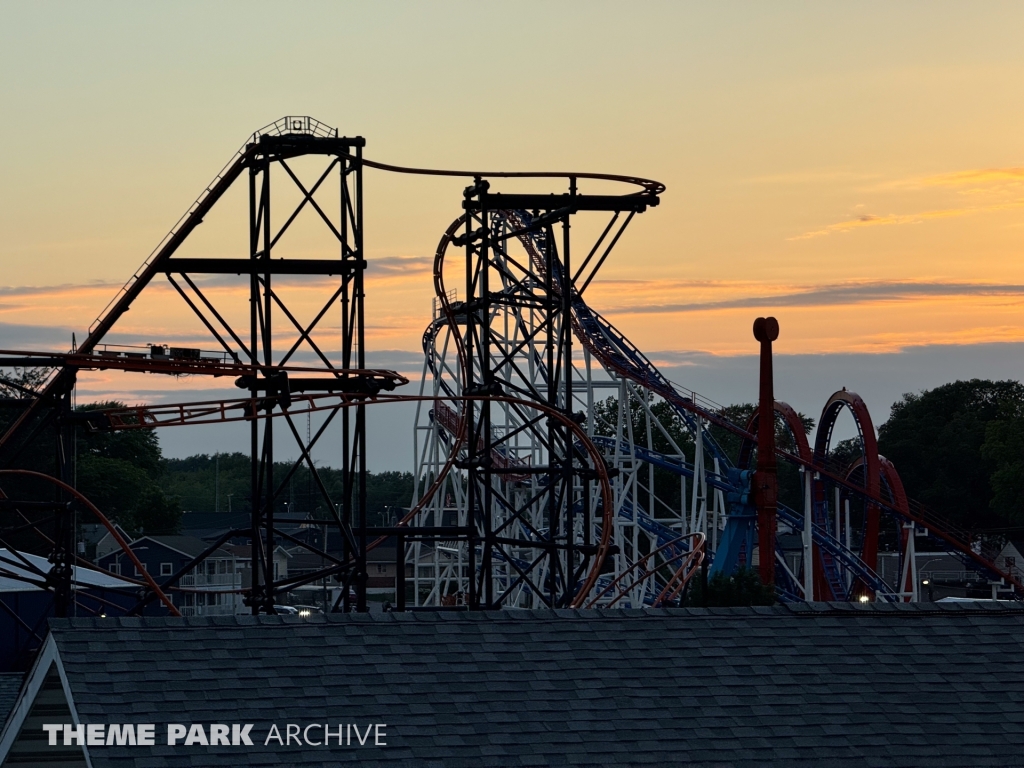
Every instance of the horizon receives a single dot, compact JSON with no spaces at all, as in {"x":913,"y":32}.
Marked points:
{"x":856,"y":175}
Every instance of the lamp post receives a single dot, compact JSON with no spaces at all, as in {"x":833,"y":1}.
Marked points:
{"x":925,"y":580}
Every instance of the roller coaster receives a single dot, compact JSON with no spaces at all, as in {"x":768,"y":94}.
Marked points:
{"x":556,"y":466}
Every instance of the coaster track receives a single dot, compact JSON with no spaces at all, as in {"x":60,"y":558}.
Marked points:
{"x":528,"y":494}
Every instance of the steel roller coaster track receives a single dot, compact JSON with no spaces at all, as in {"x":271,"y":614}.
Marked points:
{"x":523,"y":497}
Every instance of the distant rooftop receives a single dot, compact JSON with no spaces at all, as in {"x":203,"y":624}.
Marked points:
{"x":14,"y":565}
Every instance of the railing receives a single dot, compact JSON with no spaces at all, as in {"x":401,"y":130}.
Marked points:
{"x":211,"y":580}
{"x":297,"y":124}
{"x":171,"y":233}
{"x":291,"y":124}
{"x":937,"y":575}
{"x":161,"y":352}
{"x":210,"y":610}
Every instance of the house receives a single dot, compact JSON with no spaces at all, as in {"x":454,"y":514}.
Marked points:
{"x":1011,"y":558}
{"x":212,"y":587}
{"x":814,"y":684}
{"x":95,"y":541}
{"x":210,"y":526}
{"x":382,"y":566}
{"x":243,"y":558}
{"x":324,"y":592}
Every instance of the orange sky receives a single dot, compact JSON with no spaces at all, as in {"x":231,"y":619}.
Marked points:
{"x":856,"y":171}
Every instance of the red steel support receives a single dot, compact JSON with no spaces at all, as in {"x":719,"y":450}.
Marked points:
{"x":766,"y":330}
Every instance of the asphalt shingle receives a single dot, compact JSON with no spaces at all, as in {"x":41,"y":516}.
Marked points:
{"x":809,"y":685}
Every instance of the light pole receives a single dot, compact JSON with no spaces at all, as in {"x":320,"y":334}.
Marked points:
{"x":925,"y":580}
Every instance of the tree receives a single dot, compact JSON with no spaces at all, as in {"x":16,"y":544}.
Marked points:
{"x":1004,"y":447}
{"x":740,"y":414}
{"x":606,"y":417}
{"x":957,"y":448}
{"x":20,"y":383}
{"x":201,"y":479}
{"x":119,"y":471}
{"x":844,"y":453}
{"x":742,"y":588}
{"x":666,"y":483}
{"x":790,"y":485}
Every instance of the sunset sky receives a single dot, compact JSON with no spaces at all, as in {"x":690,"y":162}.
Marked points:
{"x":857,"y":170}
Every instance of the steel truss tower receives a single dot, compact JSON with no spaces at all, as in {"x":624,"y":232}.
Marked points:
{"x":278,"y":388}
{"x":525,"y":497}
{"x":343,"y":164}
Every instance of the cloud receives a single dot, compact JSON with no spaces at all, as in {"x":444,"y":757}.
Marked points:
{"x":399,"y":266}
{"x":834,"y":295}
{"x":975,"y":177}
{"x":32,"y":291}
{"x":813,"y":177}
{"x":892,"y":219}
{"x":35,"y":337}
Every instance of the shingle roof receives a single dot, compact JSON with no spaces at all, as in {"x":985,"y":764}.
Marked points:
{"x":20,"y":578}
{"x":191,"y":546}
{"x":10,"y":684}
{"x":821,"y":685}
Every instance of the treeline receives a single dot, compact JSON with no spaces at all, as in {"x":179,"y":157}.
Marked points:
{"x":126,"y":476}
{"x":223,"y":482}
{"x":958,"y":448}
{"x":667,"y":497}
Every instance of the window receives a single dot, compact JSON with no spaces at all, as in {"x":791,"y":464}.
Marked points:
{"x":222,"y":566}
{"x":166,"y":569}
{"x":382,"y":568}
{"x":115,"y":568}
{"x":138,"y":573}
{"x":211,"y":567}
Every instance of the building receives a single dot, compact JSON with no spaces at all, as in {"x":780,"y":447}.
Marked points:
{"x":95,"y":541}
{"x":798,"y":685}
{"x":1011,"y":558}
{"x":210,"y":526}
{"x":213,"y":587}
{"x":243,"y":557}
{"x":26,"y":604}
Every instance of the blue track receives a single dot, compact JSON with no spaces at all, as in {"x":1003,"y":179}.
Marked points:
{"x":619,"y":355}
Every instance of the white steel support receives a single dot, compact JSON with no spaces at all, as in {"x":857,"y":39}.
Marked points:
{"x":643,"y":521}
{"x":808,"y":538}
{"x":846,"y":512}
{"x":909,"y":588}
{"x":717,"y":511}
{"x":837,"y":530}
{"x":699,"y":499}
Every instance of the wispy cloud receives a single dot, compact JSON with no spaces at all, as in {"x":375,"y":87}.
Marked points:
{"x":975,"y":177}
{"x":35,"y":291}
{"x":399,"y":266}
{"x":822,"y":176}
{"x":832,"y":295}
{"x":894,"y":219}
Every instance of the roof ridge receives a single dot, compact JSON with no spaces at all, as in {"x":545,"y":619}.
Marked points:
{"x":518,"y":615}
